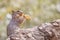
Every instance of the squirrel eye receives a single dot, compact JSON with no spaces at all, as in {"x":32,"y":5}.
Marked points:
{"x":18,"y":11}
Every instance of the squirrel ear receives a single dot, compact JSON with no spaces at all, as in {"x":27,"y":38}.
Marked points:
{"x":13,"y":12}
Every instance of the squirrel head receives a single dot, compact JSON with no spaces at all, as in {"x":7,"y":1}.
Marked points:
{"x":19,"y":16}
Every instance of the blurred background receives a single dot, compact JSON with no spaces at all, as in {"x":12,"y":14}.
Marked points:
{"x":40,"y":11}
